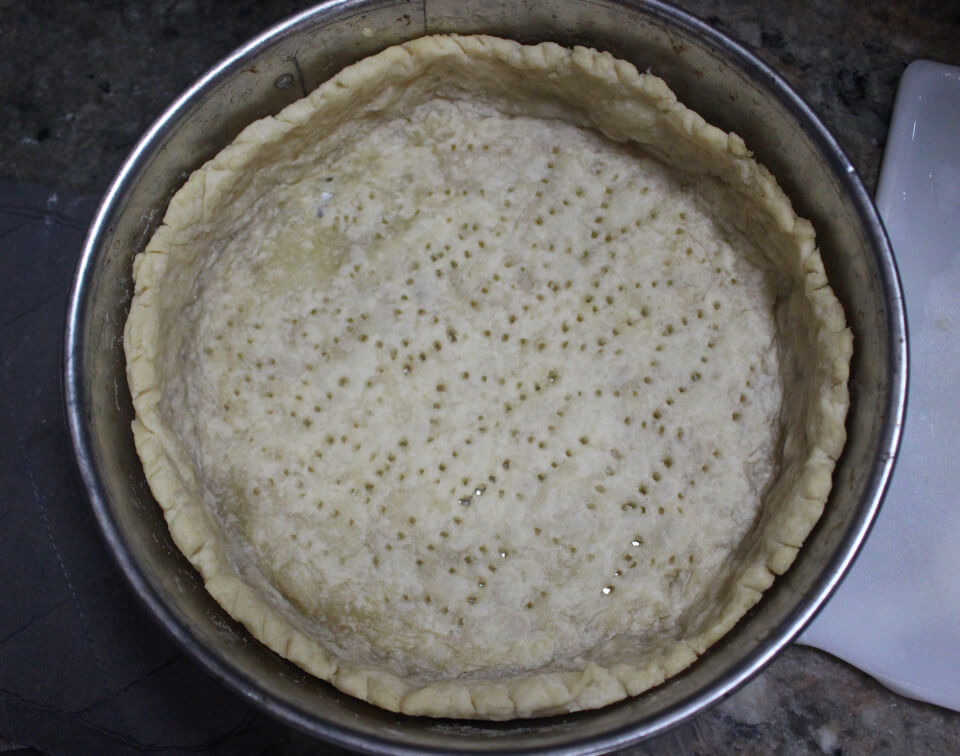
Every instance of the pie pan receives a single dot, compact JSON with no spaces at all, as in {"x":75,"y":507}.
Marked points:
{"x":709,"y":73}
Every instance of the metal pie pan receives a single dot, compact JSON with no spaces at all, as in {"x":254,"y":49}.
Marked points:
{"x":716,"y":77}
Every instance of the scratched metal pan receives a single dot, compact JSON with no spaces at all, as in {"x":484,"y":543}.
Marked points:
{"x":709,"y":72}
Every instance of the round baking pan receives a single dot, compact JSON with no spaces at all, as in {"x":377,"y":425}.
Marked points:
{"x":713,"y":75}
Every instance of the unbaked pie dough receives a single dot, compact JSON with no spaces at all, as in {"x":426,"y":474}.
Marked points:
{"x":488,"y":380}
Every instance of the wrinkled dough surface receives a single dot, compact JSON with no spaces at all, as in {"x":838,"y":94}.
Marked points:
{"x":457,"y":398}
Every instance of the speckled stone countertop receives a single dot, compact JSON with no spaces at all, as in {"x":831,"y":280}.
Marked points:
{"x":80,"y":81}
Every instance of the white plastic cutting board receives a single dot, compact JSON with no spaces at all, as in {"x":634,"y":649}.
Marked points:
{"x":897,"y":614}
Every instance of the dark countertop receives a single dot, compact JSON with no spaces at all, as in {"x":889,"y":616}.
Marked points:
{"x":80,"y":81}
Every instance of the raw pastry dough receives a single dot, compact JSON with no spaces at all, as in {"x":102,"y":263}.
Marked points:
{"x":488,"y":380}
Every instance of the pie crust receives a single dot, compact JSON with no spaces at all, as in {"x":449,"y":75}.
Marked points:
{"x":488,"y":380}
